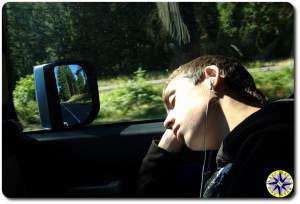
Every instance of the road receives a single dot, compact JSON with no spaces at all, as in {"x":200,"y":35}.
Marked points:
{"x":74,"y":113}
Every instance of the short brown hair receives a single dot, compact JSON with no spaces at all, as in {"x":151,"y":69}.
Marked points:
{"x":236,"y":77}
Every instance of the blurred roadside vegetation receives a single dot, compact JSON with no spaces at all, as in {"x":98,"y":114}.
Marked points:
{"x":136,"y":98}
{"x":145,"y":100}
{"x":275,"y":84}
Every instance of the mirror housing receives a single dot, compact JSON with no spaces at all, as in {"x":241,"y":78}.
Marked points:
{"x":62,"y":107}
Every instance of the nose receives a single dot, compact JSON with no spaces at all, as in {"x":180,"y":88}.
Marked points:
{"x":169,"y":121}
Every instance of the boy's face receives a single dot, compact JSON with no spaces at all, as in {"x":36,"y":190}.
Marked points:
{"x":186,"y":105}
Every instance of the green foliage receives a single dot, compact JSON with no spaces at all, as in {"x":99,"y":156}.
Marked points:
{"x":136,"y":99}
{"x":63,"y":86}
{"x":275,"y":84}
{"x":24,"y":90}
{"x":269,"y":63}
{"x":67,"y":84}
{"x":80,"y":82}
{"x":259,"y":30}
{"x":25,"y":103}
{"x":118,"y":37}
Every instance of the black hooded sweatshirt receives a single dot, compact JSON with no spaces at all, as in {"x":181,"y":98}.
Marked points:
{"x":259,"y":145}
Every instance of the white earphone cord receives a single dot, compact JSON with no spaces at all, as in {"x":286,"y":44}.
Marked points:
{"x":204,"y":161}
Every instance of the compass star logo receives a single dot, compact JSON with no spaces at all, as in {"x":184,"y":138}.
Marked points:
{"x":279,"y":183}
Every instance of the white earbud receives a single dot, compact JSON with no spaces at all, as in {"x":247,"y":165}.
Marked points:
{"x":211,"y":84}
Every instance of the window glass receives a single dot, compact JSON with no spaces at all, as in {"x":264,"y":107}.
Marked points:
{"x":135,"y":46}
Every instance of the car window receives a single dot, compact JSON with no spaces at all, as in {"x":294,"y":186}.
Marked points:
{"x":135,"y":46}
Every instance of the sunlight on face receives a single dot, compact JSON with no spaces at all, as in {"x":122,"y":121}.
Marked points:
{"x":186,"y":105}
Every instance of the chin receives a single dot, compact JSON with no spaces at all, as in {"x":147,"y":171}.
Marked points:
{"x":191,"y":143}
{"x":194,"y":147}
{"x":196,"y":144}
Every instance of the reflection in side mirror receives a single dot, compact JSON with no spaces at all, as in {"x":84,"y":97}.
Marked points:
{"x":74,"y":96}
{"x":67,"y":94}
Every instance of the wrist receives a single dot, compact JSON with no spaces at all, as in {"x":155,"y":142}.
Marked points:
{"x":170,"y":143}
{"x":169,"y":148}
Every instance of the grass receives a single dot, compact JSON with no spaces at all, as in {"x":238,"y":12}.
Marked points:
{"x":155,"y":75}
{"x":135,"y":99}
{"x":259,"y":64}
{"x":275,"y":84}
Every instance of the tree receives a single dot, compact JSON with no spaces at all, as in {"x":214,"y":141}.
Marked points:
{"x":66,"y":83}
{"x":258,"y":29}
{"x":119,"y":37}
{"x":81,"y":83}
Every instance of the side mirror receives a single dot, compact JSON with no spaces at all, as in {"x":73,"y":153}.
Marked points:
{"x":67,"y":94}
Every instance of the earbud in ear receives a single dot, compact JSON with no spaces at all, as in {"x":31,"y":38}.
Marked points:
{"x":211,"y":84}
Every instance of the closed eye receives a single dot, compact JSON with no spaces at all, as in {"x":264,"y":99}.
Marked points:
{"x":173,"y":100}
{"x":168,"y":99}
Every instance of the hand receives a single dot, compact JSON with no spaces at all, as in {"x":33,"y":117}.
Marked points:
{"x":169,"y":142}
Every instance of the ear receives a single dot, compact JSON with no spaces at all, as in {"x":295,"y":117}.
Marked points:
{"x":212,"y":74}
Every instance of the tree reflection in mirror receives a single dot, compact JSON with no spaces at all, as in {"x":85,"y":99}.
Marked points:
{"x":74,"y":95}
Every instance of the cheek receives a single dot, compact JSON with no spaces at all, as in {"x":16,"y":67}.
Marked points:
{"x":190,"y":112}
